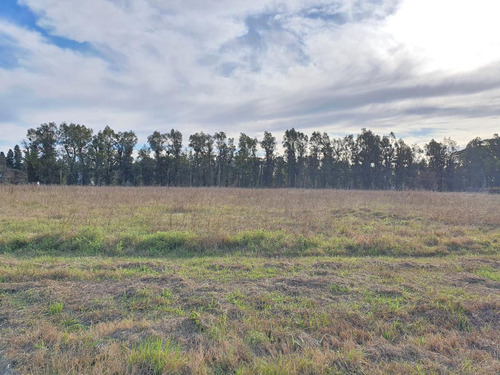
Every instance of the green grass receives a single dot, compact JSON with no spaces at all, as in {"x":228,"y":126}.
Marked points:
{"x":55,"y":308}
{"x":155,"y":356}
{"x":489,"y":273}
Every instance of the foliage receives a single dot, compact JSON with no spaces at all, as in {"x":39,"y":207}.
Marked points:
{"x":71,"y":154}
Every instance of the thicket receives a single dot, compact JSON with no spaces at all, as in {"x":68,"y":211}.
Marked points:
{"x":72,"y":154}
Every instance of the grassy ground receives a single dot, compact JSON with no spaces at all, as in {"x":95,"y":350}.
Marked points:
{"x":192,"y":222}
{"x":221,"y":281}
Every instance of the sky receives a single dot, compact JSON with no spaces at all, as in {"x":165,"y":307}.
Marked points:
{"x":420,"y":68}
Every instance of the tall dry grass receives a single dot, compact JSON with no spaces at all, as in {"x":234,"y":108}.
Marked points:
{"x":212,"y":217}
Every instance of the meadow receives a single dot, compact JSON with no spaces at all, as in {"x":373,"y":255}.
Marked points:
{"x":112,"y":280}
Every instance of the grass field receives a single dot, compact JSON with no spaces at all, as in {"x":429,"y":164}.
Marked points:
{"x":228,"y":281}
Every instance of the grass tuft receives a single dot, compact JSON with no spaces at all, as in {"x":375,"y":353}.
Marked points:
{"x":156,"y":356}
{"x":55,"y":308}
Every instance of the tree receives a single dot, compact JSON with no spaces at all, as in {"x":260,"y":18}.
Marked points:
{"x":327,"y":172}
{"x":224,"y":159}
{"x":473,"y":159}
{"x":157,"y":143}
{"x":75,"y":139}
{"x":125,"y":143}
{"x":32,"y":160}
{"x":388,"y":148}
{"x":3,"y":160}
{"x":367,"y":163}
{"x":295,"y":144}
{"x":103,"y":154}
{"x":44,"y":140}
{"x":268,"y":143}
{"x":314,"y":163}
{"x":403,"y":165}
{"x":436,"y":153}
{"x":146,"y":167}
{"x":9,"y":159}
{"x":479,"y":163}
{"x":174,"y":149}
{"x":493,"y":161}
{"x":202,"y":172}
{"x":289,"y":143}
{"x":302,"y":142}
{"x":246,"y":161}
{"x":451,"y":161}
{"x":280,"y":174}
{"x":18,"y":158}
{"x":345,"y":158}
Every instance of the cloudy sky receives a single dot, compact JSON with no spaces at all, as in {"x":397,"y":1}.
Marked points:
{"x":421,"y":68}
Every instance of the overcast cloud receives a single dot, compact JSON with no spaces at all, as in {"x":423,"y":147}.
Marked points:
{"x":420,"y":68}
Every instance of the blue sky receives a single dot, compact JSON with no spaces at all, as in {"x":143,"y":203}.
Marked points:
{"x":14,"y":12}
{"x":420,"y":68}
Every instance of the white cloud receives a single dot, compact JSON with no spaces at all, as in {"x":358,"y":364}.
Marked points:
{"x":258,"y":65}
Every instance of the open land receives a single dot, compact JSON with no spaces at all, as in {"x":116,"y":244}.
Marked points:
{"x":232,"y":281}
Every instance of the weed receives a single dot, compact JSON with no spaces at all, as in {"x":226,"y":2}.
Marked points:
{"x":166,"y":293}
{"x":237,"y":298}
{"x":195,"y":317}
{"x":55,"y":307}
{"x":72,"y":324}
{"x":154,"y":356}
{"x":339,"y":289}
{"x":256,"y":338}
{"x":489,"y":273}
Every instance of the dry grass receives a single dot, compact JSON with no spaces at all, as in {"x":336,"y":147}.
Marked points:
{"x":250,"y":315}
{"x":226,"y":281}
{"x":130,"y":221}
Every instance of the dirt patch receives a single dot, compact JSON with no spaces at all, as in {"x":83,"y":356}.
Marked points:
{"x":12,"y":288}
{"x":472,"y":264}
{"x":318,"y":283}
{"x":472,"y":280}
{"x":415,"y":265}
{"x":486,"y":315}
{"x":122,"y":334}
{"x":142,"y":265}
{"x":6,"y":367}
{"x":228,"y":267}
{"x":328,"y":265}
{"x":387,"y":292}
{"x":320,"y":273}
{"x":493,"y":285}
{"x":182,"y":330}
{"x":299,"y":285}
{"x":384,"y":351}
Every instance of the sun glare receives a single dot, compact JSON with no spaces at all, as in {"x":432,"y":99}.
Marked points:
{"x":452,"y":35}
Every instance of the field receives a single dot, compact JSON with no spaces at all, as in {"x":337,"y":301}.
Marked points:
{"x":234,"y":281}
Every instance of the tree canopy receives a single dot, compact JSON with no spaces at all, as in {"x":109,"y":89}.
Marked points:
{"x":74,"y":154}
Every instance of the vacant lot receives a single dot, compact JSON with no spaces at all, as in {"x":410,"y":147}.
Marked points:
{"x":221,"y":281}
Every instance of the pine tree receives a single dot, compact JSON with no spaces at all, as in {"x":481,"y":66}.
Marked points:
{"x":18,"y":158}
{"x":10,"y":159}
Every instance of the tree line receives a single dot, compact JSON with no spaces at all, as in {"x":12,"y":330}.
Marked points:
{"x":72,"y":154}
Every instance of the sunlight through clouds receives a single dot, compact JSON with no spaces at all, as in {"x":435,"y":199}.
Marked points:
{"x":449,"y":35}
